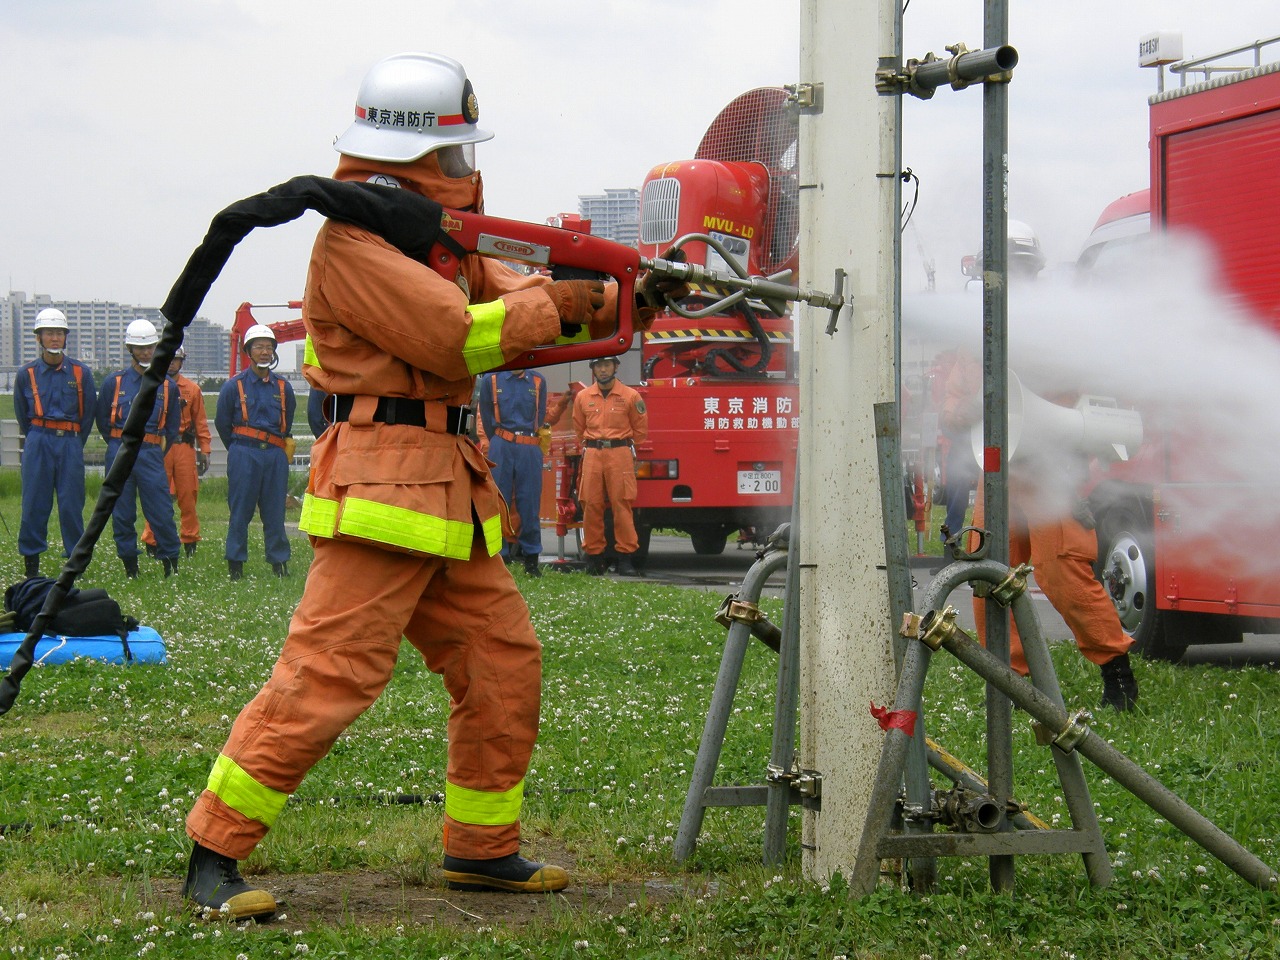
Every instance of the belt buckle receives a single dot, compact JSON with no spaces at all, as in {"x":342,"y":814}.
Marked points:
{"x":466,"y":419}
{"x":59,"y":433}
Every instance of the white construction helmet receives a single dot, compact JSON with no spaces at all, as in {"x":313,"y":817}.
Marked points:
{"x":180,"y":353}
{"x":50,"y":318}
{"x":410,"y":104}
{"x":258,"y":331}
{"x":141,"y":333}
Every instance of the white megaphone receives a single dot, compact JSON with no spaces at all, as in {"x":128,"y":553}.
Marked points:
{"x":1094,"y":427}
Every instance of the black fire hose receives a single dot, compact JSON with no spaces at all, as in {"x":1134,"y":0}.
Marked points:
{"x":407,"y":221}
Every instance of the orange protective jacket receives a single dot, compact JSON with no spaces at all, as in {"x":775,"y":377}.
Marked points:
{"x":619,"y":416}
{"x":382,"y":325}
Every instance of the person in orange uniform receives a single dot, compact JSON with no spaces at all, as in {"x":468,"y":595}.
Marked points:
{"x":1051,"y":528}
{"x":405,"y":520}
{"x":610,"y":420}
{"x":187,"y":458}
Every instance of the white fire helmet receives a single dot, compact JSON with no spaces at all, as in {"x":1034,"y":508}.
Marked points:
{"x":410,"y":104}
{"x":180,"y":353}
{"x":1025,"y":254}
{"x":50,"y":318}
{"x":141,"y":333}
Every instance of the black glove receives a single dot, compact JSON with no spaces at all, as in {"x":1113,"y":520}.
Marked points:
{"x":202,"y":463}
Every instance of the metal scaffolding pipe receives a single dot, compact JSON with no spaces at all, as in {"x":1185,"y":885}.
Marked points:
{"x":1074,"y":734}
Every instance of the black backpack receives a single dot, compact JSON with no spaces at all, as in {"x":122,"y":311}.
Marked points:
{"x":84,"y":613}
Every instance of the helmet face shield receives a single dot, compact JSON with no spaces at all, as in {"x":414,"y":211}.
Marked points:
{"x":457,"y":160}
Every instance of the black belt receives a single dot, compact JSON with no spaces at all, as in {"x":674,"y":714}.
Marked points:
{"x":605,"y":444}
{"x":404,"y":412}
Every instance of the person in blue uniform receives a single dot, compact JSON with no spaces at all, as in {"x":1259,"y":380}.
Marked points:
{"x":255,"y":421}
{"x":148,"y":482}
{"x":513,"y":406}
{"x":53,"y":401}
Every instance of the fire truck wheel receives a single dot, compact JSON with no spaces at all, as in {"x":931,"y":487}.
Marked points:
{"x":1126,"y":568}
{"x":708,"y":539}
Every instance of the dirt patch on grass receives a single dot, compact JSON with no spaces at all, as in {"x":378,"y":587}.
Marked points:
{"x":369,"y":898}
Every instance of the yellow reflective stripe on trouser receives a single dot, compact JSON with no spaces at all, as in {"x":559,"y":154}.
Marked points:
{"x":479,"y":807}
{"x":397,"y":526}
{"x":309,"y":353}
{"x":243,"y":794}
{"x":483,"y":349}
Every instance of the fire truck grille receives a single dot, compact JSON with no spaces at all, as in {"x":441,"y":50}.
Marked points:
{"x":659,"y":210}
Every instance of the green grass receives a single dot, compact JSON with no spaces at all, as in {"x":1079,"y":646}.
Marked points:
{"x":99,"y":765}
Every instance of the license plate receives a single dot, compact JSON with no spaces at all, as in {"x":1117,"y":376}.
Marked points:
{"x":759,"y":482}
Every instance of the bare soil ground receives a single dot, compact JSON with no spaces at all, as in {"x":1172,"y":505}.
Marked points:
{"x":370,"y":898}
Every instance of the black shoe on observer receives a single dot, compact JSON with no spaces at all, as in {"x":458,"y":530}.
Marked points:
{"x":235,"y":568}
{"x":189,"y":549}
{"x":1119,"y":685}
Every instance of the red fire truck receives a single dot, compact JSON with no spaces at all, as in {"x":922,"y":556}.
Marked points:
{"x":721,"y":389}
{"x":285,"y":330}
{"x":1175,"y":579}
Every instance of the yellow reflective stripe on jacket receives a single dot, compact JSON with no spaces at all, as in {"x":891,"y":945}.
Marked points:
{"x":309,"y":353}
{"x":397,"y":527}
{"x":479,"y":807}
{"x":483,"y":349}
{"x":243,"y":794}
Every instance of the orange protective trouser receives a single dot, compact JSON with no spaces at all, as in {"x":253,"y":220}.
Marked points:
{"x":184,"y":483}
{"x":608,"y":480}
{"x":471,"y":626}
{"x":1062,"y":553}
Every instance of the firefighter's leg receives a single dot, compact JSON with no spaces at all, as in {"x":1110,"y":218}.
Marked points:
{"x":37,"y":495}
{"x":527,"y":483}
{"x":1063,"y":554}
{"x":70,"y":484}
{"x":500,"y":452}
{"x":591,"y":495}
{"x":473,"y":628}
{"x":620,"y":478}
{"x":1019,"y":552}
{"x":242,"y":499}
{"x":180,"y":463}
{"x":274,"y":480}
{"x":340,"y":653}
{"x":157,"y":507}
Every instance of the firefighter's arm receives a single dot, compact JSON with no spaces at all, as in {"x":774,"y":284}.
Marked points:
{"x":413,"y":313}
{"x":90,"y":404}
{"x":485,"y":403}
{"x":200,"y":422}
{"x":540,"y":415}
{"x":579,"y":418}
{"x":20,"y":407}
{"x":290,"y":408}
{"x":639,"y":417}
{"x":222,"y":417}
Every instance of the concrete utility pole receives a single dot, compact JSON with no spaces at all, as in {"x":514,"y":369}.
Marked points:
{"x":849,"y":219}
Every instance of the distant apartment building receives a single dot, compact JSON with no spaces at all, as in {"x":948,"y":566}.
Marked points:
{"x":614,"y":214}
{"x":96,"y":334}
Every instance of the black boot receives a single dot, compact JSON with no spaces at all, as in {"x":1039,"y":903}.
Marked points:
{"x":130,"y":567}
{"x":595,"y":565}
{"x":512,"y":872}
{"x":189,"y":549}
{"x":152,"y":552}
{"x":1119,"y":685}
{"x":531,"y":566}
{"x":170,"y":565}
{"x":214,"y":883}
{"x":280,"y":569}
{"x":626,"y":566}
{"x":235,"y":568}
{"x":33,"y":565}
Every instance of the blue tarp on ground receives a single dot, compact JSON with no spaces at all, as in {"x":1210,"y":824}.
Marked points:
{"x":145,"y":645}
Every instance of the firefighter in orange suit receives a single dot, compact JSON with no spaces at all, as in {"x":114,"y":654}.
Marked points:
{"x":610,"y":420}
{"x":187,"y":458}
{"x":1059,"y":542}
{"x":405,"y":520}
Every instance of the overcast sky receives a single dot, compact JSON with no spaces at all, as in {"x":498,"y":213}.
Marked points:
{"x":130,"y":123}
